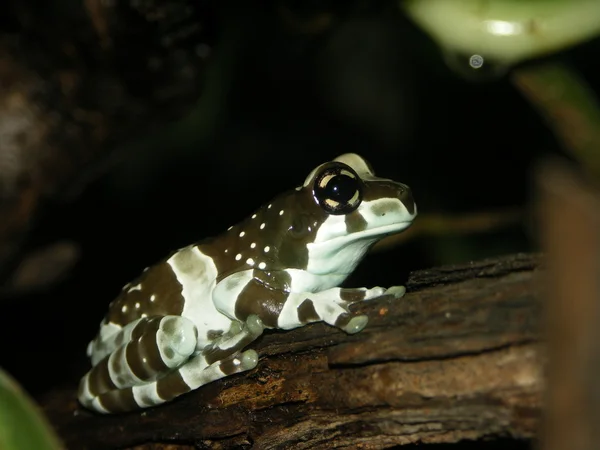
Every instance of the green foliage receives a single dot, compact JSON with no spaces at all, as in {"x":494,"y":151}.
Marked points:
{"x":506,"y":31}
{"x":22,"y":425}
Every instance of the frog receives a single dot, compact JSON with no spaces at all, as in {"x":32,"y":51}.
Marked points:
{"x":188,"y":320}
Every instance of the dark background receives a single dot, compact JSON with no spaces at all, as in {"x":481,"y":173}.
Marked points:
{"x":278,"y":101}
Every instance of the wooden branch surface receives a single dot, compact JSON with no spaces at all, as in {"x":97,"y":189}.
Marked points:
{"x":457,"y":358}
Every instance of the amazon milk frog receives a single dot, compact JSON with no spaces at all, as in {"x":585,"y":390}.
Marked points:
{"x":185,"y":321}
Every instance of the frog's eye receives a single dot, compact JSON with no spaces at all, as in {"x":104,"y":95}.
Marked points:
{"x":338,"y":189}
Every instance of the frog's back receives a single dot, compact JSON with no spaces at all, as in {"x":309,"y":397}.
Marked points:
{"x":163,"y":288}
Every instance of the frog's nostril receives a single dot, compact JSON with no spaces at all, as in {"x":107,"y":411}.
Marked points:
{"x":406,"y":197}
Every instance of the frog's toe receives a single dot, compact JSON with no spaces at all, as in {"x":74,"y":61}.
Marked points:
{"x":375,"y":292}
{"x":235,"y":328}
{"x":255,"y":325}
{"x":248,"y":360}
{"x":356,"y":324}
{"x":396,"y":291}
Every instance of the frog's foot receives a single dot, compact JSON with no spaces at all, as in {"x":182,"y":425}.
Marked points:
{"x":363,"y":294}
{"x":396,"y":291}
{"x":355,"y":323}
{"x":351,"y":324}
{"x":231,"y":343}
{"x":196,"y":373}
{"x":150,"y":348}
{"x":331,"y":306}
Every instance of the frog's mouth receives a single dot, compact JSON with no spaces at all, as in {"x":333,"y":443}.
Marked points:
{"x":371,"y":234}
{"x":380,"y":232}
{"x":387,"y":229}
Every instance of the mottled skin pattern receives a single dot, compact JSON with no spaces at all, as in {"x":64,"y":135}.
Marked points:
{"x":187,"y":319}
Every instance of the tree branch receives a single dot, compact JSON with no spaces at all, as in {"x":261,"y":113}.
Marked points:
{"x":457,"y":358}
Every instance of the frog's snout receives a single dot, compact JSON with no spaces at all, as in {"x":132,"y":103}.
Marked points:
{"x":405,"y":195}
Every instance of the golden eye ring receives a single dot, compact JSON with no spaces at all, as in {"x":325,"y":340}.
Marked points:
{"x":338,"y":189}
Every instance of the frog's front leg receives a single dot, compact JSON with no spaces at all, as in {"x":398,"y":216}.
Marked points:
{"x":332,"y":307}
{"x":270,"y":296}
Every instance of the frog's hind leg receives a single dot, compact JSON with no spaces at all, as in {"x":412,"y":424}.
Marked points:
{"x":111,"y":337}
{"x":190,"y":376}
{"x":218,"y":360}
{"x":143,"y":351}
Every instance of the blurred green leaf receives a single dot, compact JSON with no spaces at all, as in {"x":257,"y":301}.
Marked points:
{"x":22,"y":425}
{"x":505,"y":32}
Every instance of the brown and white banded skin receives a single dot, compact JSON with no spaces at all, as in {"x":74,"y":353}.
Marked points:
{"x":187,"y":319}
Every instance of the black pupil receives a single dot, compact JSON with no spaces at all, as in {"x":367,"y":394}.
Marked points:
{"x":340,"y":188}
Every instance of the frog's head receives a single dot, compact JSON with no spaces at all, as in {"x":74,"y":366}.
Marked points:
{"x":326,"y":225}
{"x":355,"y":210}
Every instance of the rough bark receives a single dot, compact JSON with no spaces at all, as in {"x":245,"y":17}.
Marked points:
{"x":459,"y":357}
{"x":569,"y":213}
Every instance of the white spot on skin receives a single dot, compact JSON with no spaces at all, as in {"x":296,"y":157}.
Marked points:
{"x":262,"y":265}
{"x":254,"y":216}
{"x":262,"y":225}
{"x":242,"y":234}
{"x":226,"y":250}
{"x":137,"y":287}
{"x":137,"y":305}
{"x":228,"y":229}
{"x":124,"y":308}
{"x":238,"y":256}
{"x":267,"y":248}
{"x":253,"y":245}
{"x":144,"y":315}
{"x":269,"y":207}
{"x":152,"y":297}
{"x":281,"y":212}
{"x":250,"y":261}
